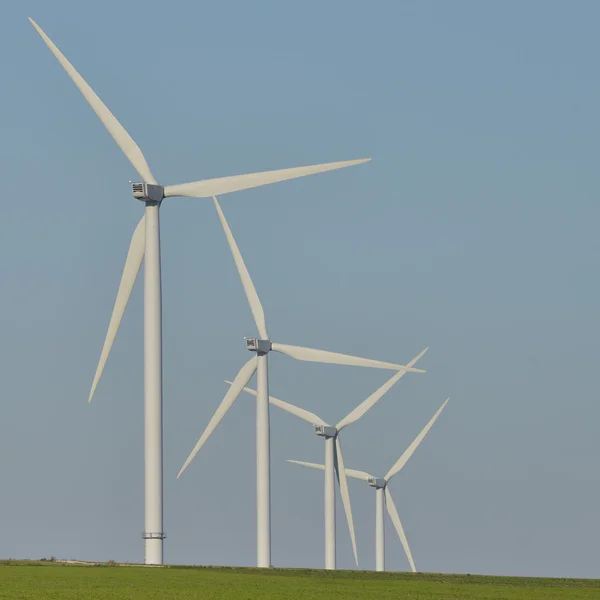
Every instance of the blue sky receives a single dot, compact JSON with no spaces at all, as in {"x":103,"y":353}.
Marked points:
{"x":473,"y":231}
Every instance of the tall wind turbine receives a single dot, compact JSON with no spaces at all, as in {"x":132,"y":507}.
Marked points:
{"x":384,"y":496}
{"x":334,"y":461}
{"x":145,"y":245}
{"x":261,"y":347}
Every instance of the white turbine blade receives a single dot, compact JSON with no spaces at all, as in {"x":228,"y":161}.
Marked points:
{"x":415,"y":444}
{"x":235,"y":183}
{"x":366,"y":405}
{"x":324,"y":356}
{"x":135,"y":256}
{"x":116,"y":130}
{"x":391,"y":508}
{"x":307,"y":464}
{"x":344,"y":493}
{"x":358,"y":474}
{"x":349,"y":472}
{"x":253,"y":300}
{"x":234,"y":391}
{"x":294,"y":410}
{"x":306,"y":415}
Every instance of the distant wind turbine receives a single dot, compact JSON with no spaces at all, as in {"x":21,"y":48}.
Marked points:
{"x":145,"y":246}
{"x":382,"y":489}
{"x":261,"y":347}
{"x":334,"y":461}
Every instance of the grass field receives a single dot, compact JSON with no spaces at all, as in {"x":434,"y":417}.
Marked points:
{"x":32,"y":580}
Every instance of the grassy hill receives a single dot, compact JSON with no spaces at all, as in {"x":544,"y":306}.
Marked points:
{"x":48,"y":580}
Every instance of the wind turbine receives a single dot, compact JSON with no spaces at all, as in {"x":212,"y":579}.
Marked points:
{"x":261,"y":347}
{"x":381,"y":489}
{"x":145,"y":245}
{"x":334,"y":461}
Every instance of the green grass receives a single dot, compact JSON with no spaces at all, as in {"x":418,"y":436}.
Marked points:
{"x":21,"y":580}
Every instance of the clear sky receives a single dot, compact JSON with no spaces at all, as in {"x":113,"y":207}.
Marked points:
{"x":472,"y":231}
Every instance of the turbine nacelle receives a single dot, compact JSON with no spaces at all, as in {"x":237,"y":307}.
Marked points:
{"x":326,"y":431}
{"x":260,"y":346}
{"x":377,"y":482}
{"x":147,"y":192}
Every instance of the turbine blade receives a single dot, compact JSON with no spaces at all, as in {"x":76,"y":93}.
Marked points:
{"x":116,"y":130}
{"x":415,"y":444}
{"x":358,"y":474}
{"x":234,"y":391}
{"x":135,"y":256}
{"x":253,"y":299}
{"x":324,"y":356}
{"x":294,"y":410}
{"x":349,"y":472}
{"x":307,"y":464}
{"x":235,"y":183}
{"x":345,"y":494}
{"x":392,"y":511}
{"x":366,"y":405}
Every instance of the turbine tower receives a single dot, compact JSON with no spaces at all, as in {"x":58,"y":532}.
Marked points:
{"x":258,"y":363}
{"x":334,"y":461}
{"x":145,"y":246}
{"x":384,"y":496}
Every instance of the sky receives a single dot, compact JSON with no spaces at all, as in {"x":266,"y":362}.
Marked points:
{"x":473,"y":231}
